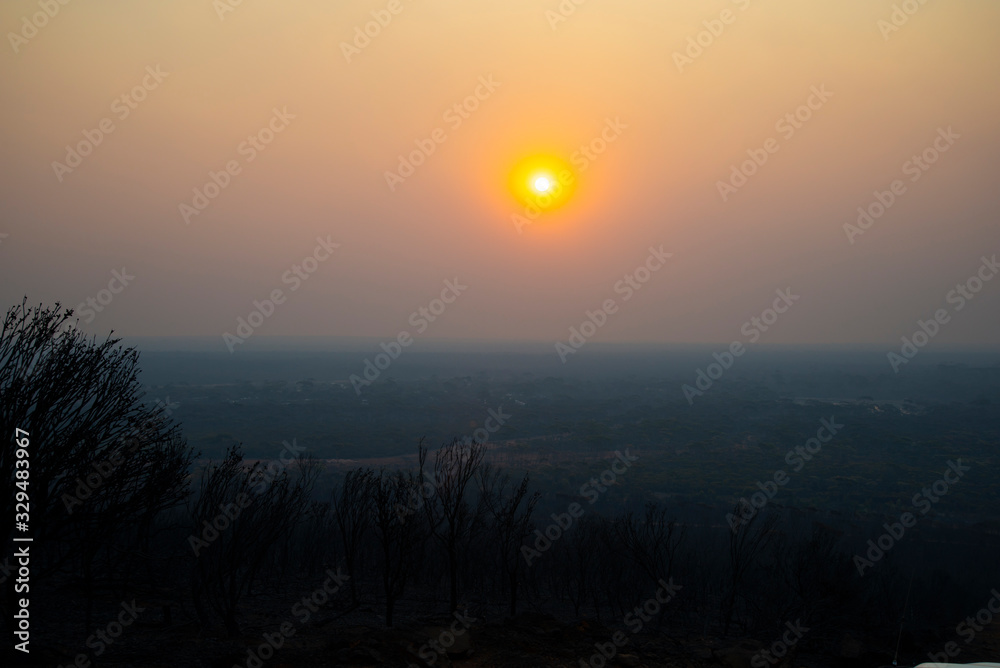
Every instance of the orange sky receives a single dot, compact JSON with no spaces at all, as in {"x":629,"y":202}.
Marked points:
{"x":610,"y":73}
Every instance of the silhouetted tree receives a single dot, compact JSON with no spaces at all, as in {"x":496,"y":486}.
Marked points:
{"x":400,"y":536}
{"x":651,"y":540}
{"x":240,"y":517}
{"x":823,"y":581}
{"x":351,"y":504}
{"x":509,"y":509}
{"x":451,"y":516}
{"x":747,"y":542}
{"x":100,"y":460}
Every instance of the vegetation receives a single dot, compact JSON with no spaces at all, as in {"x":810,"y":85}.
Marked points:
{"x":541,"y":519}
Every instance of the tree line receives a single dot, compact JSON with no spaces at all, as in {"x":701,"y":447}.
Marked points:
{"x":122,"y":509}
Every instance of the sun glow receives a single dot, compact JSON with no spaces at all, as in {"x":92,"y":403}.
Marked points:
{"x":542,"y":182}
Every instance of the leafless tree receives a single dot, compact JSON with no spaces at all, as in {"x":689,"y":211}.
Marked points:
{"x":101,"y":461}
{"x":399,"y":535}
{"x":747,"y":542}
{"x":351,"y":503}
{"x":451,"y":516}
{"x":509,"y":509}
{"x":650,"y":540}
{"x":822,"y":580}
{"x":570,"y":565}
{"x":239,"y":518}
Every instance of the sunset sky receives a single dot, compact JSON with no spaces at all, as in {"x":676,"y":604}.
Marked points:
{"x":666,"y":119}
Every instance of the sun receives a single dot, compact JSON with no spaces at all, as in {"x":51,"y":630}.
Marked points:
{"x":542,"y":183}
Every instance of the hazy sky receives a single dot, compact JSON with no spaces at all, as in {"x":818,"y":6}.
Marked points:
{"x":626,"y":77}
